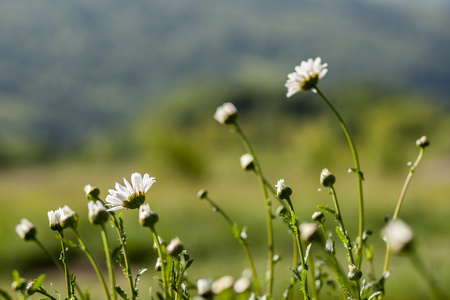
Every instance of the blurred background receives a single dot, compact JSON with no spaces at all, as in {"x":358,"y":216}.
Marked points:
{"x":92,"y":91}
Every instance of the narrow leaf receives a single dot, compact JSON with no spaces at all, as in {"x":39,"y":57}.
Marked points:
{"x":328,"y":209}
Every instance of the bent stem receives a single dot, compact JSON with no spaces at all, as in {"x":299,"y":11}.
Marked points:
{"x":93,"y":261}
{"x":109,"y":262}
{"x":271,"y":247}
{"x":357,"y":171}
{"x":163,"y":261}
{"x":241,"y":241}
{"x":400,"y":201}
{"x":65,"y":261}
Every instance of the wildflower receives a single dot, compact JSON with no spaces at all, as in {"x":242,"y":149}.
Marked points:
{"x":131,"y":195}
{"x":222,"y":284}
{"x":283,"y":191}
{"x":398,"y":235}
{"x":353,"y":273}
{"x":242,"y":285}
{"x":318,"y":216}
{"x":306,"y":76}
{"x":68,"y":218}
{"x":92,"y":193}
{"x":204,"y":288}
{"x":308,"y":232}
{"x":175,"y":247}
{"x":226,"y":114}
{"x":202,"y":194}
{"x":247,"y":162}
{"x":147,"y":217}
{"x":423,"y":142}
{"x":326,"y":178}
{"x":97,"y":213}
{"x":26,"y":230}
{"x":54,"y":219}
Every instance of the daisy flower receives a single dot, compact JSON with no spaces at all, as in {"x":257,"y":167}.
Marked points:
{"x":306,"y":76}
{"x":132,"y":195}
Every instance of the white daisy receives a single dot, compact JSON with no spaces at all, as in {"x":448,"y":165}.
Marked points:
{"x":226,"y":113}
{"x":131,"y":195}
{"x":306,"y":76}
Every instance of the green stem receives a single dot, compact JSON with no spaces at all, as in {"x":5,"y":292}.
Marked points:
{"x":43,"y":292}
{"x":163,"y":261}
{"x":296,"y":234}
{"x":123,"y":242}
{"x":271,"y":247}
{"x":59,"y":265}
{"x":358,"y":174}
{"x":241,"y":241}
{"x":109,"y":263}
{"x":86,"y":250}
{"x":349,"y":244}
{"x":400,"y":201}
{"x":66,"y":265}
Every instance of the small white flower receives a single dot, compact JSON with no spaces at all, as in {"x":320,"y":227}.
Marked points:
{"x":398,"y":235}
{"x":131,"y":195}
{"x":97,"y":213}
{"x":26,"y":230}
{"x":247,"y":162}
{"x":54,"y":219}
{"x":306,"y":75}
{"x":226,"y":113}
{"x":68,"y":217}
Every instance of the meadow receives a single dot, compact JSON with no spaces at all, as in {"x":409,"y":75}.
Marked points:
{"x":181,"y":145}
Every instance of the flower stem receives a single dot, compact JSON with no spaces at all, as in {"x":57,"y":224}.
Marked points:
{"x":241,"y":241}
{"x":163,"y":261}
{"x":271,"y":247}
{"x":66,"y":265}
{"x":109,"y":262}
{"x":93,"y":262}
{"x":400,"y":202}
{"x":59,"y":265}
{"x":358,"y":174}
{"x":296,"y":234}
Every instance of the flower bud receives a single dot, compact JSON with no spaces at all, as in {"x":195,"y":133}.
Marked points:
{"x":353,"y":273}
{"x":308,"y":232}
{"x":202,"y":194}
{"x":247,"y":162}
{"x":222,"y":284}
{"x":54,"y":219}
{"x":68,"y":217}
{"x":283,"y":191}
{"x":226,"y":114}
{"x":318,"y":216}
{"x":241,"y":285}
{"x":423,"y":142}
{"x":326,"y":178}
{"x":97,"y":213}
{"x":175,"y":247}
{"x":26,"y":230}
{"x":92,"y":193}
{"x":399,"y":236}
{"x":147,"y":217}
{"x":204,"y":288}
{"x":158,"y":265}
{"x":282,"y":211}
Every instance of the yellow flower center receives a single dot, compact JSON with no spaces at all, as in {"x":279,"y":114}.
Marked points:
{"x":134,"y":201}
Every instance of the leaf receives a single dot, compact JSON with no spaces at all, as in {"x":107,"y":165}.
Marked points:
{"x":121,"y":293}
{"x":342,"y":236}
{"x":307,"y":251}
{"x":374,"y":294}
{"x":141,"y":271}
{"x":328,"y":209}
{"x":369,"y":252}
{"x":236,"y":231}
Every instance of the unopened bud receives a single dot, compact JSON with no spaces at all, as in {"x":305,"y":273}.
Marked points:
{"x":353,"y":273}
{"x":26,"y":230}
{"x":399,"y":236}
{"x":326,"y":178}
{"x":422,"y":142}
{"x":283,"y":191}
{"x":222,"y":284}
{"x":92,"y":193}
{"x":175,"y":247}
{"x":202,"y":194}
{"x":204,"y":288}
{"x":241,"y":285}
{"x":69,"y":218}
{"x":247,"y":162}
{"x":147,"y":217}
{"x":226,"y":114}
{"x":318,"y":216}
{"x":308,"y":232}
{"x":97,"y":213}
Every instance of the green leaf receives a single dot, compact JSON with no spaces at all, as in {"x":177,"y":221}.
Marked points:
{"x":328,"y":209}
{"x":342,"y":236}
{"x":369,"y":252}
{"x":121,"y":293}
{"x":236,"y":231}
{"x":141,"y":271}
